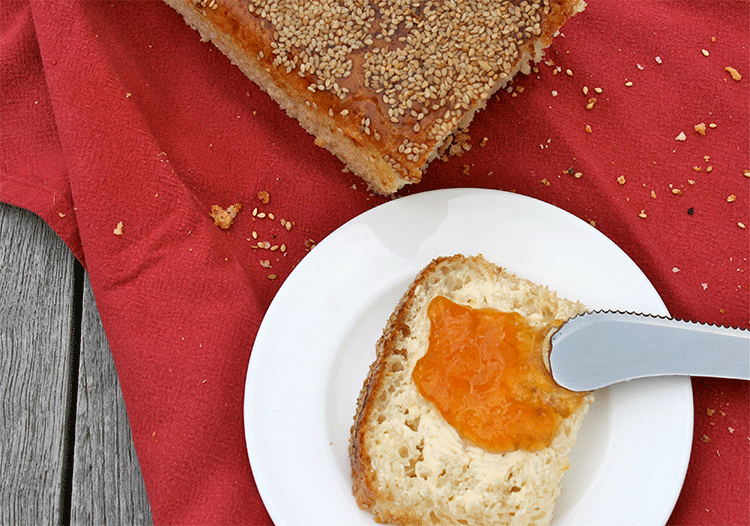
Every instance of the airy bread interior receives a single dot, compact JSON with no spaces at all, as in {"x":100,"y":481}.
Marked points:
{"x":384,"y":85}
{"x":408,"y":465}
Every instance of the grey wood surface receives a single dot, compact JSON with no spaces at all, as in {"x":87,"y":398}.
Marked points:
{"x":107,"y":488}
{"x":66,"y":452}
{"x":36,"y":313}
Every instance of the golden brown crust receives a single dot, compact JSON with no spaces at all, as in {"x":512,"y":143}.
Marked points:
{"x":382,"y":85}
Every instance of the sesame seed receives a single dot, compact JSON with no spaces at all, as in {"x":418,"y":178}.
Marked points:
{"x":705,"y":52}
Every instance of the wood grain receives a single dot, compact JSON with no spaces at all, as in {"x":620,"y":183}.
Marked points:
{"x":66,"y":452}
{"x":107,"y":481}
{"x":36,"y":313}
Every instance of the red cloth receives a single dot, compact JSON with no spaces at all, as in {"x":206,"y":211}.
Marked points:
{"x":116,"y":112}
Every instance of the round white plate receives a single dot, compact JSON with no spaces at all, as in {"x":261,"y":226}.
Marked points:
{"x":317,"y":340}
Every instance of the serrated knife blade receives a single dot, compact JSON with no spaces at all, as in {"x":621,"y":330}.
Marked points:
{"x":601,"y":348}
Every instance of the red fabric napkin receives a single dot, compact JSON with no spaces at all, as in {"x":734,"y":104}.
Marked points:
{"x":115,"y":113}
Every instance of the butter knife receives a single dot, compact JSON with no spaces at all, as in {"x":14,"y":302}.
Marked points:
{"x":597,"y":349}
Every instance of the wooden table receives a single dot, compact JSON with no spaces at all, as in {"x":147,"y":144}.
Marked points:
{"x":66,"y":452}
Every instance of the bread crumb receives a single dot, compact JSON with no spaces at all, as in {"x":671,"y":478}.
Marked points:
{"x":642,"y":215}
{"x":705,"y":287}
{"x":681,"y":137}
{"x":545,"y":182}
{"x":264,"y":197}
{"x":733,"y":73}
{"x":61,"y":214}
{"x":265,"y":263}
{"x":578,"y":175}
{"x":588,"y":129}
{"x":590,"y":103}
{"x":658,"y":60}
{"x":118,"y":229}
{"x":484,"y":141}
{"x":224,"y":218}
{"x":653,"y":194}
{"x":731,"y":198}
{"x":676,"y":191}
{"x":554,"y":93}
{"x":621,"y":179}
{"x":700,"y":128}
{"x":675,"y":270}
{"x":705,"y":438}
{"x":731,"y":429}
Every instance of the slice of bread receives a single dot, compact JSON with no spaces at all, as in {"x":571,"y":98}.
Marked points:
{"x":382,"y":85}
{"x":409,"y":466}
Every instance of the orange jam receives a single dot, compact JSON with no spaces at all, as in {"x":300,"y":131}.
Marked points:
{"x":484,"y":371}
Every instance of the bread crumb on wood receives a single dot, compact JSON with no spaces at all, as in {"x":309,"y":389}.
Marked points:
{"x":224,"y":218}
{"x":118,"y":229}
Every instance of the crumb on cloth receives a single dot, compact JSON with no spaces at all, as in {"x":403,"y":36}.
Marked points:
{"x":118,"y":229}
{"x":224,"y":218}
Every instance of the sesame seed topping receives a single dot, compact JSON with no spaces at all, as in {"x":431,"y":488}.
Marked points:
{"x":434,"y":59}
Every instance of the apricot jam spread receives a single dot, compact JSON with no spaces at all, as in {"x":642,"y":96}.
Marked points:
{"x":484,"y":371}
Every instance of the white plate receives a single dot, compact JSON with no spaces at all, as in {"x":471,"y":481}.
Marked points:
{"x":317,"y":341}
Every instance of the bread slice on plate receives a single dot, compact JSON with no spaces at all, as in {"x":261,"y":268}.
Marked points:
{"x":410,"y":466}
{"x":384,"y":85}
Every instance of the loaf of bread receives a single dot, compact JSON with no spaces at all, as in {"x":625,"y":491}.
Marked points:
{"x":409,"y":466}
{"x":384,"y":85}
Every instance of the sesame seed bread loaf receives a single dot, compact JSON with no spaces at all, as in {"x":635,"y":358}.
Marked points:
{"x":409,"y":466}
{"x":383,"y":85}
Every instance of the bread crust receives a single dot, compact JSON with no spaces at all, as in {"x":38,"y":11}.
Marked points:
{"x":385,"y":126}
{"x":367,"y":484}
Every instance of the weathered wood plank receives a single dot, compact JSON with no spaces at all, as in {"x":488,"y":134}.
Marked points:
{"x":107,"y":481}
{"x":36,"y":316}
